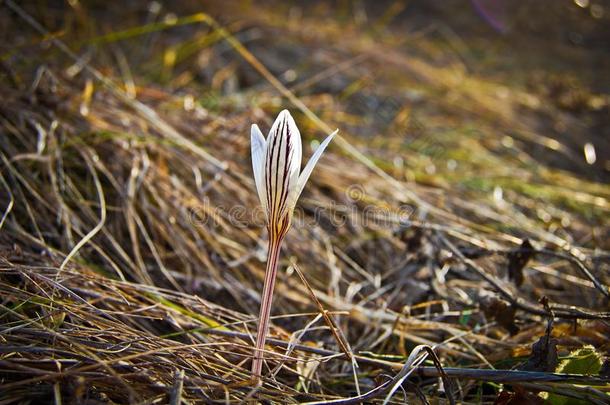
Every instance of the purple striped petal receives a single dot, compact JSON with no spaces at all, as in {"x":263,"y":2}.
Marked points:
{"x":282,"y":166}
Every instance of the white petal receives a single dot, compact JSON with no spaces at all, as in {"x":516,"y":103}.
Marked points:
{"x":296,"y":152}
{"x":304,"y":176}
{"x":282,"y":163}
{"x":258,"y":147}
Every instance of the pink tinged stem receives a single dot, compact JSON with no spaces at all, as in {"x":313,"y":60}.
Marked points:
{"x":263,"y":319}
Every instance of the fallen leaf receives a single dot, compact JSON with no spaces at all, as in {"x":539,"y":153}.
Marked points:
{"x":501,"y":311}
{"x":517,"y":260}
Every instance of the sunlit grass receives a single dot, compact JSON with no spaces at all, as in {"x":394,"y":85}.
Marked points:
{"x":437,"y":122}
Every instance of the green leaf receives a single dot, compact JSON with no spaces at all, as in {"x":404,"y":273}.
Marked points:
{"x":582,"y":361}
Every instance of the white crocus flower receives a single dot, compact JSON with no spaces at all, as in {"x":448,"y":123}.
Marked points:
{"x":279,"y":181}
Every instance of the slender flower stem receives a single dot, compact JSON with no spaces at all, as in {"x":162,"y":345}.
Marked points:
{"x":276,"y":163}
{"x":273,"y":254}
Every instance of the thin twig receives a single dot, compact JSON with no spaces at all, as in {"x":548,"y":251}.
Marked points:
{"x":334,"y":328}
{"x":502,"y":376}
{"x":516,"y":301}
{"x":175,"y":397}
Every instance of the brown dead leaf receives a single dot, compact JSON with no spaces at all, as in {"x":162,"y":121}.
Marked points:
{"x":501,"y":311}
{"x":517,"y":260}
{"x":519,"y":397}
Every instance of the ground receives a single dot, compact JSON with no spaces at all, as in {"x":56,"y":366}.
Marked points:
{"x":463,"y":206}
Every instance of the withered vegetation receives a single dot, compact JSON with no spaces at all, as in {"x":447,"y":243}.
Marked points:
{"x":451,"y":246}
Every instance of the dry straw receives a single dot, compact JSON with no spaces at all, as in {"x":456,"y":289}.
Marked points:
{"x":133,"y":198}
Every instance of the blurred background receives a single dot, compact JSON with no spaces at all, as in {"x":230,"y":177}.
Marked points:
{"x":469,"y":130}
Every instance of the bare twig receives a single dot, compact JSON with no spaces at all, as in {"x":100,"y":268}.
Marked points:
{"x":503,"y":376}
{"x":516,"y":301}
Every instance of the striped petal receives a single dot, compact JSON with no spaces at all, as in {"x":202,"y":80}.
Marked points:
{"x":297,"y":154}
{"x":282,"y":164}
{"x":258,"y":147}
{"x":304,"y":176}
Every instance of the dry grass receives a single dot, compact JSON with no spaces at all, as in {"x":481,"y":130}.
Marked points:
{"x":132,"y":258}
